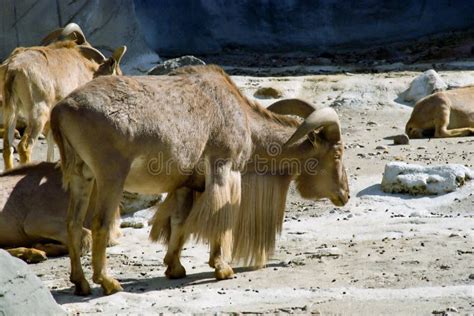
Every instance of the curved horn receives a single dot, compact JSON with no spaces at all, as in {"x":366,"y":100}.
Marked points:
{"x":52,"y":37}
{"x":118,"y":54}
{"x":92,"y":53}
{"x":326,"y":118}
{"x":292,"y":107}
{"x":73,"y":32}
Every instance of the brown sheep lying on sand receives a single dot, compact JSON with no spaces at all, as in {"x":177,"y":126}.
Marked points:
{"x":33,"y":210}
{"x":443,"y":114}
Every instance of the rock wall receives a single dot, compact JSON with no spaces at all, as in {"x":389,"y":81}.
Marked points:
{"x":209,"y":26}
{"x":107,"y":24}
{"x":183,"y":27}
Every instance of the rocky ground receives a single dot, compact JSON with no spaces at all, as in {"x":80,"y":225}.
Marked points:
{"x":380,"y":254}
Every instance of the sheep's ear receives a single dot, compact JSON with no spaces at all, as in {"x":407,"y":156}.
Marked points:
{"x":118,"y":54}
{"x":314,"y":137}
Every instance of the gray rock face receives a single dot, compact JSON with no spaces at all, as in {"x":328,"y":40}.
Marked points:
{"x":21,"y":292}
{"x":424,"y":85}
{"x":175,"y":63}
{"x":210,"y":26}
{"x":107,"y":24}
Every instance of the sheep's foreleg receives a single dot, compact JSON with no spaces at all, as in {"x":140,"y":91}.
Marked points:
{"x":216,"y":259}
{"x":30,"y":255}
{"x":456,"y":132}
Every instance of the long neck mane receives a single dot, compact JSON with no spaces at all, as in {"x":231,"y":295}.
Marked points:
{"x":263,"y":195}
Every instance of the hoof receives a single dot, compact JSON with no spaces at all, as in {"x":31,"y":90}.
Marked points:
{"x":111,"y":286}
{"x":211,"y":263}
{"x":82,"y":289}
{"x":36,"y":256}
{"x":224,"y":273}
{"x":175,"y":273}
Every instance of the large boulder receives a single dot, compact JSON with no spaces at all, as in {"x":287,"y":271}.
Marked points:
{"x":22,"y":292}
{"x":107,"y":24}
{"x":424,"y":85}
{"x":400,"y":177}
{"x":133,"y":202}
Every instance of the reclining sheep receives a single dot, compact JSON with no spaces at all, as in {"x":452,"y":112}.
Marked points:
{"x":33,"y":210}
{"x":443,"y":114}
{"x":197,"y":137}
{"x":35,"y":78}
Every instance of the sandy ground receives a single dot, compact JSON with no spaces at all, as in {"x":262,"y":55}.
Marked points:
{"x":378,"y":255}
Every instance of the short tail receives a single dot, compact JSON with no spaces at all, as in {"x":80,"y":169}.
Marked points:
{"x":67,"y":153}
{"x":10,"y":105}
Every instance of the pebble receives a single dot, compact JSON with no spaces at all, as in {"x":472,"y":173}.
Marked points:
{"x":401,"y":139}
{"x":132,"y":224}
{"x":380,"y":147}
{"x":267,"y":93}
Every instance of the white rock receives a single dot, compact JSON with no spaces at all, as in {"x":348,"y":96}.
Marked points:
{"x":22,"y":292}
{"x":423,"y":85}
{"x":400,"y":177}
{"x":138,"y":219}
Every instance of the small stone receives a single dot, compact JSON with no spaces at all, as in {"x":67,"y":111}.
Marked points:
{"x":471,"y":276}
{"x":267,"y":93}
{"x":401,"y":139}
{"x":132,"y":224}
{"x":380,"y":147}
{"x":452,"y":309}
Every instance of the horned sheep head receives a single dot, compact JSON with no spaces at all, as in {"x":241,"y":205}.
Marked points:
{"x":321,"y":133}
{"x":73,"y":32}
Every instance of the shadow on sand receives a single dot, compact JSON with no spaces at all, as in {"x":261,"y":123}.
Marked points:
{"x":135,"y":285}
{"x":376,"y":190}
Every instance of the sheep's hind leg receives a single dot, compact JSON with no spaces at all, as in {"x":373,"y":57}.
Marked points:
{"x":9,"y":118}
{"x":36,"y":123}
{"x":80,"y":187}
{"x":182,"y":201}
{"x":52,"y":250}
{"x":50,"y":142}
{"x":109,"y":192}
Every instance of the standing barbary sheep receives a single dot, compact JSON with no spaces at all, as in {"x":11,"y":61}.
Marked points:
{"x":226,"y":162}
{"x":36,"y":78}
{"x":443,"y":114}
{"x":33,"y":210}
